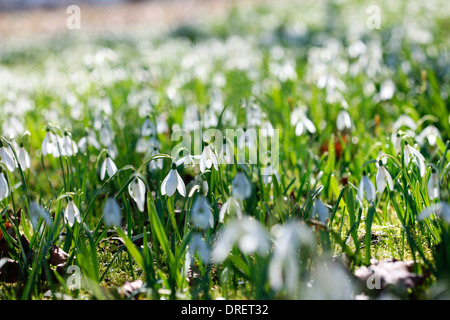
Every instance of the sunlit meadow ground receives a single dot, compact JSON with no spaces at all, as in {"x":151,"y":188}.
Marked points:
{"x":342,"y":96}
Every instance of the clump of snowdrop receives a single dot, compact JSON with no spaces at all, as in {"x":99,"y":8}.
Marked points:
{"x":173,"y":182}
{"x":247,"y":233}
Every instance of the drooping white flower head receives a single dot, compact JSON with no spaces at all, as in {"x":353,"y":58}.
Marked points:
{"x":433,"y":185}
{"x":7,"y":158}
{"x":187,"y":161}
{"x":431,"y":133}
{"x":201,"y":213}
{"x":111,"y":213}
{"x":240,"y":187}
{"x":49,"y":143}
{"x":197,"y":245}
{"x":68,"y":147}
{"x":284,"y":264}
{"x":24,"y":158}
{"x":148,"y":128}
{"x":157,"y":164}
{"x":72,"y":213}
{"x":173,"y":182}
{"x":343,"y":120}
{"x":137,"y":189}
{"x":320,"y":210}
{"x":208,"y":159}
{"x":268,"y":174}
{"x":108,"y":166}
{"x":404,"y":121}
{"x":230,"y":207}
{"x":383,"y":176}
{"x":412,"y":153}
{"x":301,"y":122}
{"x":4,"y":189}
{"x":366,"y":187}
{"x":247,"y":233}
{"x":37,"y":212}
{"x":89,"y":139}
{"x":442,"y":209}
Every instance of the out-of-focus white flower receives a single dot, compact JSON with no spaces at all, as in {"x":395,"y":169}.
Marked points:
{"x":49,"y":143}
{"x":187,"y":160}
{"x":148,"y":128}
{"x":441,"y":209}
{"x":24,"y":158}
{"x":268,"y":173}
{"x":387,"y":90}
{"x":343,"y":120}
{"x":6,"y":158}
{"x":173,"y":182}
{"x":89,"y":139}
{"x":37,"y":212}
{"x":154,"y":164}
{"x":4,"y":189}
{"x":137,"y":189}
{"x":321,"y":211}
{"x":301,"y":122}
{"x":331,"y":282}
{"x":201,"y":213}
{"x":69,"y":147}
{"x":72,"y":213}
{"x":433,"y":185}
{"x":404,"y":121}
{"x":284,"y":264}
{"x":240,"y":187}
{"x":230,"y":207}
{"x":196,"y":245}
{"x":366,"y":187}
{"x":412,"y":153}
{"x":431,"y":133}
{"x":247,"y":233}
{"x":111,"y":213}
{"x":208,"y":159}
{"x":382,"y":176}
{"x":108,"y":166}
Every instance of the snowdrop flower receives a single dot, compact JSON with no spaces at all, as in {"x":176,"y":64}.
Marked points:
{"x":148,"y":128}
{"x":37,"y":212}
{"x":387,"y":90}
{"x":241,"y":188}
{"x":69,"y":148}
{"x":208,"y":159}
{"x":230,"y":207}
{"x":24,"y":158}
{"x":441,"y":209}
{"x":72,"y":213}
{"x":201,"y":213}
{"x":109,"y":167}
{"x":106,"y":134}
{"x":268,"y":173}
{"x":187,"y":160}
{"x":396,"y":142}
{"x":284,"y":264}
{"x":137,"y":189}
{"x":88,"y":139}
{"x":382,"y":176}
{"x":48,"y":144}
{"x":404,"y":121}
{"x":173,"y":182}
{"x":301,"y":122}
{"x":197,"y":245}
{"x":111,"y":213}
{"x":155,"y":164}
{"x":321,"y":211}
{"x":411,"y":152}
{"x":343,"y":121}
{"x":366,"y":187}
{"x":433,"y":185}
{"x":7,"y":158}
{"x":226,"y":153}
{"x":4,"y":189}
{"x":431,"y":133}
{"x":247,"y":233}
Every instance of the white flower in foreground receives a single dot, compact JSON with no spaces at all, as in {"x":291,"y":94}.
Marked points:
{"x":268,"y":174}
{"x":301,"y":122}
{"x":108,"y":166}
{"x":412,"y":153}
{"x":247,"y":233}
{"x":284,"y":264}
{"x":48,"y":144}
{"x":24,"y":158}
{"x":201,"y":213}
{"x":111,"y":213}
{"x":72,"y":213}
{"x":230,"y":207}
{"x":173,"y":182}
{"x":366,"y":187}
{"x":208,"y":159}
{"x":4,"y":189}
{"x":7,"y":158}
{"x":383,"y":176}
{"x":240,"y":187}
{"x":433,"y":185}
{"x":137,"y":189}
{"x":343,"y":121}
{"x":321,"y":211}
{"x":441,"y":209}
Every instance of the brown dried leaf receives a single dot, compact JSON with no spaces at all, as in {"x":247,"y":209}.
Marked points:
{"x":58,"y":257}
